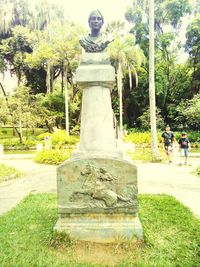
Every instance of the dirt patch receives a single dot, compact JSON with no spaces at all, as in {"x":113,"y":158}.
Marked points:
{"x":105,"y":254}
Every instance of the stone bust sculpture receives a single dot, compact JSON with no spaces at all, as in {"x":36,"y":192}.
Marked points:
{"x":96,"y":41}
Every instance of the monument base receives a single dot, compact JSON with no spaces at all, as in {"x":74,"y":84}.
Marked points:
{"x":97,"y":199}
{"x":101,"y":228}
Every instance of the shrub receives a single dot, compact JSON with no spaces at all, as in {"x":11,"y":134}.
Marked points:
{"x":42,"y":136}
{"x":53,"y":156}
{"x":14,"y":143}
{"x":145,"y":137}
{"x":60,"y":139}
{"x":138,"y":138}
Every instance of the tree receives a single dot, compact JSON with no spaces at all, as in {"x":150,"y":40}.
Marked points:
{"x":14,"y":50}
{"x":192,"y":46}
{"x":168,"y":20}
{"x":189,"y":113}
{"x":126,"y":56}
{"x":24,"y":111}
{"x":152,"y":102}
{"x":4,"y":113}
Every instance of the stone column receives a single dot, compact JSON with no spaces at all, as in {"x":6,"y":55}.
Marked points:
{"x":96,"y":77}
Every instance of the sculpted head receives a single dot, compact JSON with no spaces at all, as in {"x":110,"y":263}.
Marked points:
{"x":95,"y":20}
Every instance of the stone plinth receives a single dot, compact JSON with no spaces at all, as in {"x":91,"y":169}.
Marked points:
{"x":97,"y":199}
{"x":101,"y":228}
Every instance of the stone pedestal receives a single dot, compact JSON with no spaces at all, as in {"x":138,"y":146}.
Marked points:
{"x":96,"y":77}
{"x":97,"y":188}
{"x":97,"y":199}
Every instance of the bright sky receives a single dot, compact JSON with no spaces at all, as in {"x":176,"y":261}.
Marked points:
{"x":79,"y":10}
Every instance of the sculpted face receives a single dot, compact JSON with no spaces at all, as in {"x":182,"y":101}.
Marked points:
{"x":95,"y":20}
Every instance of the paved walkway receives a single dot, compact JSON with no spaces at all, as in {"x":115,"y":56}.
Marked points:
{"x":153,"y":178}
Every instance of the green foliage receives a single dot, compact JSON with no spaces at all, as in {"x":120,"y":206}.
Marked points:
{"x":189,"y":113}
{"x":198,"y":170}
{"x":145,"y":137}
{"x":4,"y":113}
{"x":172,"y":81}
{"x":54,"y":157}
{"x":144,"y":120}
{"x":61,"y":138}
{"x":8,"y":173}
{"x":9,"y":132}
{"x":193,"y":37}
{"x":27,"y":237}
{"x":14,"y":143}
{"x":138,"y":138}
{"x":42,"y":136}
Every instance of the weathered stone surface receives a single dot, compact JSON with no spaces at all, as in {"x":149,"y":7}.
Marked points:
{"x":97,"y":185}
{"x":101,"y":228}
{"x":95,"y":59}
{"x":97,"y":129}
{"x":97,"y":132}
{"x":97,"y":73}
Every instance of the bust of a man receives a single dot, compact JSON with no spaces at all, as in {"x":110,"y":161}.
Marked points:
{"x":95,"y":41}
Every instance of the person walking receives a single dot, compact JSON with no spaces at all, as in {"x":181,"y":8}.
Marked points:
{"x":168,"y":139}
{"x":184,"y":145}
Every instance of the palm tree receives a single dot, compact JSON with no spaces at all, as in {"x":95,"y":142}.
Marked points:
{"x":127,"y":56}
{"x":152,"y":102}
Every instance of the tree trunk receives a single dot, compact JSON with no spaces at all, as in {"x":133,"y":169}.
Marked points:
{"x":152,"y":101}
{"x":48,"y":77}
{"x":66,"y":101}
{"x":20,"y":131}
{"x":119,"y":86}
{"x":62,"y":81}
{"x":26,"y":132}
{"x":51,"y":80}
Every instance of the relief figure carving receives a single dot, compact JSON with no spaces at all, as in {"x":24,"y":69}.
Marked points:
{"x":99,"y":189}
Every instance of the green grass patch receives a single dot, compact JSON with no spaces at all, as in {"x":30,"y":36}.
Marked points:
{"x":144,"y":154}
{"x":8,"y":173}
{"x":53,"y":156}
{"x":7,"y":132}
{"x":171,"y":237}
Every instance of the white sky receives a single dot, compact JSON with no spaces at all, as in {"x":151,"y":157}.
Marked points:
{"x":79,"y":10}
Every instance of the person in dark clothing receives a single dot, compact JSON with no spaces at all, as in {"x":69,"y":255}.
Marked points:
{"x":184,"y":145}
{"x":168,"y":139}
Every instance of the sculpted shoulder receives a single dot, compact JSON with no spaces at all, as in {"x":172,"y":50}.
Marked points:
{"x":93,"y":45}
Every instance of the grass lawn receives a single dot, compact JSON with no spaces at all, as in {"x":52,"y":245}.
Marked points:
{"x":144,"y":154}
{"x":171,"y":238}
{"x":8,"y":173}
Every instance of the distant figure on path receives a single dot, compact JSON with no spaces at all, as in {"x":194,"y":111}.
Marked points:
{"x":184,"y":144}
{"x":96,"y":41}
{"x":168,"y":139}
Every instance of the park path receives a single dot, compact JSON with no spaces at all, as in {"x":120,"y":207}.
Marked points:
{"x":153,"y":178}
{"x":37,"y":178}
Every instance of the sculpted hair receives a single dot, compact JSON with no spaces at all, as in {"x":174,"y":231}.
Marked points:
{"x":95,"y":11}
